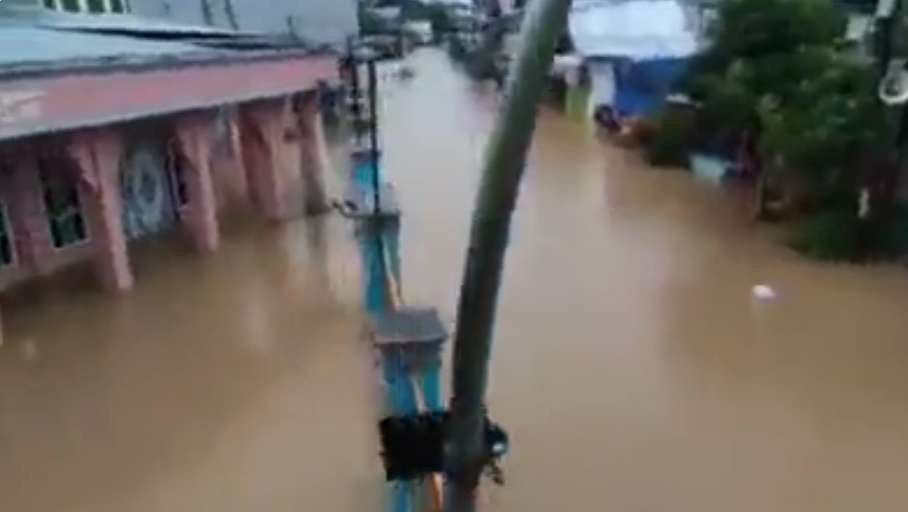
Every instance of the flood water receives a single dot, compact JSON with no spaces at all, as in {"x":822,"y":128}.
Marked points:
{"x":632,"y":367}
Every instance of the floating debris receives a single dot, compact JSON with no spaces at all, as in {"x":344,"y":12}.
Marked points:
{"x":29,"y":351}
{"x":764,"y":292}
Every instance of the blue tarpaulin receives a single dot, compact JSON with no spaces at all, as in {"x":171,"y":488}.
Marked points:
{"x":635,"y":49}
{"x":641,"y":87}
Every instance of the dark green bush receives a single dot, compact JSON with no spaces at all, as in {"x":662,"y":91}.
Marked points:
{"x":830,"y":235}
{"x":456,"y":49}
{"x":838,"y":235}
{"x":889,"y":234}
{"x":672,"y":139}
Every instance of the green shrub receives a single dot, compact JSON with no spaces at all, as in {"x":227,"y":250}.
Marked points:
{"x":456,"y":49}
{"x":838,"y":235}
{"x":671,"y":140}
{"x":830,"y":235}
{"x":889,"y":234}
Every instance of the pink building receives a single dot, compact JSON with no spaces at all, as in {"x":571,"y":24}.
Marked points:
{"x":112,"y":130}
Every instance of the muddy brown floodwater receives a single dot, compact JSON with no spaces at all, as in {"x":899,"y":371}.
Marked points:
{"x":631,"y":365}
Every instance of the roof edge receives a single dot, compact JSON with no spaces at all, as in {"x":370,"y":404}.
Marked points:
{"x":32,"y":70}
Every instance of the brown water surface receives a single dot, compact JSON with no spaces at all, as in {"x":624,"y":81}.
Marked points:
{"x":632,"y":366}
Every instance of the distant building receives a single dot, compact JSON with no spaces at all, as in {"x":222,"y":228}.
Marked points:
{"x":115,"y":128}
{"x":420,"y":31}
{"x":627,"y":55}
{"x":389,"y":18}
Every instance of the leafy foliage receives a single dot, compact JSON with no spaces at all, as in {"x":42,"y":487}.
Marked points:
{"x":763,"y":51}
{"x":369,"y":22}
{"x":833,"y":234}
{"x":748,"y":29}
{"x":671,"y":140}
{"x":837,"y":234}
{"x":435,"y":13}
{"x":831,"y":130}
{"x":410,"y":10}
{"x":776,"y":70}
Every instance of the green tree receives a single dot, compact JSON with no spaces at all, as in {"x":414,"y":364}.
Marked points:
{"x":436,"y":13}
{"x":830,"y":131}
{"x":776,"y":70}
{"x":369,"y":22}
{"x":755,"y":28}
{"x":762,"y":51}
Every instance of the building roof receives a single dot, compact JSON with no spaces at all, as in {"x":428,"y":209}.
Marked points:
{"x":43,"y":42}
{"x":117,"y":23}
{"x":62,"y":73}
{"x":318,"y":21}
{"x":32,"y":47}
{"x":633,"y":29}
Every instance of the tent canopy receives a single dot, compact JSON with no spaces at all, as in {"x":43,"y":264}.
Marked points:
{"x":631,"y":29}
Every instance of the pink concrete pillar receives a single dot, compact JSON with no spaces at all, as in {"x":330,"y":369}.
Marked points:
{"x":97,"y":156}
{"x":274,"y":188}
{"x":195,"y":135}
{"x":313,"y":156}
{"x":28,"y":216}
{"x":227,"y":170}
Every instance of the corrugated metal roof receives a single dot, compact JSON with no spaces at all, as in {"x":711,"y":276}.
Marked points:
{"x":32,"y":38}
{"x":31,"y":45}
{"x":128,"y":23}
{"x":40,"y":42}
{"x":36,"y":16}
{"x":319,"y":21}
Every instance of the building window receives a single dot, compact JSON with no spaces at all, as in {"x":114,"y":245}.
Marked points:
{"x":180,"y":187}
{"x":63,"y":208}
{"x":176,"y":174}
{"x":89,"y":6}
{"x":70,"y":5}
{"x":96,"y":6}
{"x":7,"y":250}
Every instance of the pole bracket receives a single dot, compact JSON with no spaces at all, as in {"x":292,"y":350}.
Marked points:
{"x":413,"y":446}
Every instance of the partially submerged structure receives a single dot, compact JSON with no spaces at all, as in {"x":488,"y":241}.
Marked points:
{"x":114,"y":128}
{"x":628,"y":54}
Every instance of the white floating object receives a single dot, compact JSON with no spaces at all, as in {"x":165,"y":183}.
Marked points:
{"x":29,"y":351}
{"x":709,"y":168}
{"x":764,"y":292}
